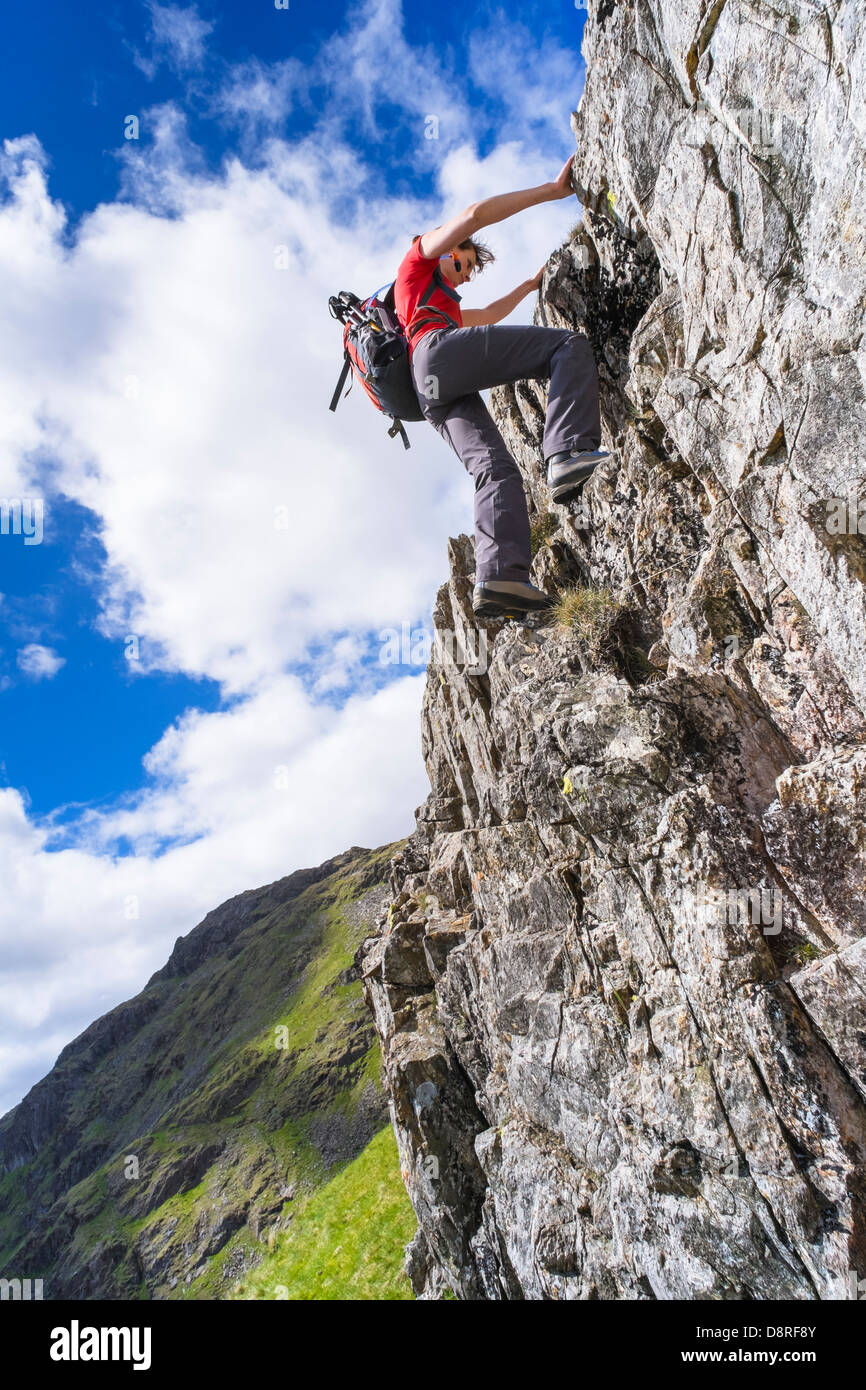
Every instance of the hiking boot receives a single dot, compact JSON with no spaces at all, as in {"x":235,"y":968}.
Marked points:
{"x":495,"y":597}
{"x":567,"y":472}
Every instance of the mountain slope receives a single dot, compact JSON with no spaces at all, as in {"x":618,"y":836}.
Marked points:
{"x":177,"y":1131}
{"x":345,"y":1238}
{"x":620,"y":983}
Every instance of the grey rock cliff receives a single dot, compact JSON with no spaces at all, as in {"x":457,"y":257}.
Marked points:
{"x":620,"y":986}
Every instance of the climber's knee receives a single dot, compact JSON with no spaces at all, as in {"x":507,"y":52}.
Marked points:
{"x":575,"y":342}
{"x":496,"y":470}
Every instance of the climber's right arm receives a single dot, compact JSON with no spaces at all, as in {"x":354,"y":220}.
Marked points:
{"x":507,"y":204}
{"x":450,"y":234}
{"x":477,"y":215}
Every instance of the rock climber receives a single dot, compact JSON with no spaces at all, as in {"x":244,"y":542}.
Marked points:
{"x":455,"y":354}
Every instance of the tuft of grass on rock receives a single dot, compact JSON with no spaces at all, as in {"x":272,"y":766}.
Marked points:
{"x":595,"y":615}
{"x":541,"y":529}
{"x":803,"y":952}
{"x":806,"y":953}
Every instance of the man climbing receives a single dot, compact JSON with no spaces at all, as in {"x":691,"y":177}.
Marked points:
{"x":456,"y":354}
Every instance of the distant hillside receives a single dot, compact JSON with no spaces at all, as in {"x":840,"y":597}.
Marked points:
{"x":345,"y":1240}
{"x":178,"y":1134}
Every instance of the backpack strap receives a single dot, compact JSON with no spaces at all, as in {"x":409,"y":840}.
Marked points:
{"x":444,"y":286}
{"x":397,"y":428}
{"x":424,"y":309}
{"x":425,"y":322}
{"x":437,"y":282}
{"x":347,"y":365}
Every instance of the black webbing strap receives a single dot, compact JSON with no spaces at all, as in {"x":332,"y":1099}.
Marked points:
{"x":347,"y":364}
{"x":397,"y":428}
{"x":447,"y":289}
{"x":437,"y":282}
{"x":414,"y":326}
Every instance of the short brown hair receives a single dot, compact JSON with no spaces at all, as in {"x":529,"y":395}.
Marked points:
{"x":483,"y":254}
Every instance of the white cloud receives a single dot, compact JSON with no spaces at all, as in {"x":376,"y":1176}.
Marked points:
{"x":38,"y":662}
{"x":275,"y":784}
{"x":162,"y":372}
{"x":541,"y":103}
{"x":339,"y":669}
{"x":372,"y":63}
{"x":177,"y":38}
{"x":194,"y":407}
{"x":257,"y":96}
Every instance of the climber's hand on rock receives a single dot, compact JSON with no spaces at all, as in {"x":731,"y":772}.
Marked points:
{"x":535,"y":282}
{"x":562,"y":188}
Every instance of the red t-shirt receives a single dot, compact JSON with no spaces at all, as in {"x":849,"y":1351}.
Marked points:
{"x":413,"y":278}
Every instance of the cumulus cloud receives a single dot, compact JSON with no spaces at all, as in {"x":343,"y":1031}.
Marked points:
{"x":371,"y":64}
{"x":38,"y":662}
{"x":165,"y":371}
{"x":241,"y":518}
{"x":241,"y":798}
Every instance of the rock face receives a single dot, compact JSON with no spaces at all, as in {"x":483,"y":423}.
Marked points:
{"x":620,"y":986}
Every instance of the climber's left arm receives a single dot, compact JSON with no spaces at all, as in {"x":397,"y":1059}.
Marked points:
{"x":501,"y":308}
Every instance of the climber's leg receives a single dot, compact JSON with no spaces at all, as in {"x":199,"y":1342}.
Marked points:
{"x":502,"y":548}
{"x":573,"y":419}
{"x":453,"y":362}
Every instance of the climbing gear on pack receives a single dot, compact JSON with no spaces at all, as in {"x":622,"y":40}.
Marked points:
{"x":568,"y":471}
{"x":375,"y":349}
{"x":504,"y":597}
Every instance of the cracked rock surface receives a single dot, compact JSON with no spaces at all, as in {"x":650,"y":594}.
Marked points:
{"x":620,"y":983}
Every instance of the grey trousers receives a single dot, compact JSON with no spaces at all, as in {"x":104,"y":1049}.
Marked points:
{"x":450,"y":366}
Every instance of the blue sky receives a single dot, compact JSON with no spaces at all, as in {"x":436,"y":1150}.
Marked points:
{"x":192,"y":697}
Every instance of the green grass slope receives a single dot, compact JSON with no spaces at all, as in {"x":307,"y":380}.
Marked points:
{"x":182,"y":1134}
{"x":346,"y":1240}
